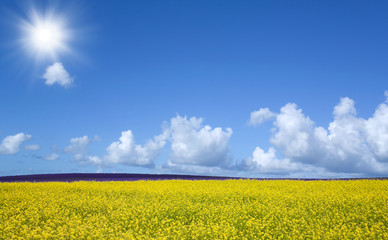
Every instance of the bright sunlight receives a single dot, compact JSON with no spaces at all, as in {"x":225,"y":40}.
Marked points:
{"x":45,"y":35}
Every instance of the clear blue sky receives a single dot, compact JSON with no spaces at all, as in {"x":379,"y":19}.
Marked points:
{"x":237,"y":88}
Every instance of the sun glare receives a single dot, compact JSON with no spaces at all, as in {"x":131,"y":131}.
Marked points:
{"x":45,"y":36}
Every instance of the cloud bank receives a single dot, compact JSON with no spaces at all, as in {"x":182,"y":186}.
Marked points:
{"x":57,"y":74}
{"x":349,"y":145}
{"x":192,"y":145}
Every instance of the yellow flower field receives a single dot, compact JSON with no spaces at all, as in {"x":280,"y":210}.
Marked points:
{"x":178,"y":209}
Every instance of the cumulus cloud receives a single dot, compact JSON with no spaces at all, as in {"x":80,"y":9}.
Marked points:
{"x":194,"y":144}
{"x":350,"y":144}
{"x":293,"y":131}
{"x":344,"y":108}
{"x":57,"y":74}
{"x":377,"y":132}
{"x":267,"y":162}
{"x":32,"y":147}
{"x":51,"y":157}
{"x":11,"y":144}
{"x":126,"y":151}
{"x":258,"y":117}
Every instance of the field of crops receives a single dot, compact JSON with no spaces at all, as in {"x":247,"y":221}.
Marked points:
{"x":178,"y":209}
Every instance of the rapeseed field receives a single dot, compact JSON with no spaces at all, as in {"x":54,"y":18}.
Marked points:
{"x":178,"y":209}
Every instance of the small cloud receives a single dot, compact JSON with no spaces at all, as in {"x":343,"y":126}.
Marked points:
{"x":54,"y":148}
{"x":32,"y":147}
{"x":51,"y":156}
{"x":386,"y":95}
{"x":94,"y":160}
{"x":344,"y":108}
{"x":56,"y":73}
{"x":258,"y":117}
{"x":97,"y":138}
{"x":79,"y":149}
{"x":78,"y":145}
{"x":11,"y":144}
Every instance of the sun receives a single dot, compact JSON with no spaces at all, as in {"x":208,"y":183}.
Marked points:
{"x":44,"y":35}
{"x":47,"y":37}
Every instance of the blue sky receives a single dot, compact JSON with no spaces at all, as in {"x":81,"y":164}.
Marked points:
{"x":235,"y":88}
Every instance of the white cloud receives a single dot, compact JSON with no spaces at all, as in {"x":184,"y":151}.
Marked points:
{"x":94,"y":160}
{"x":78,"y":145}
{"x":350,"y":144}
{"x":11,"y":144}
{"x":194,"y":144}
{"x":267,"y":163}
{"x":125,"y":151}
{"x":56,"y":73}
{"x":344,"y":108}
{"x":377,"y":133}
{"x":294,"y":131}
{"x":79,"y":149}
{"x":51,"y":157}
{"x":32,"y":147}
{"x":258,"y":117}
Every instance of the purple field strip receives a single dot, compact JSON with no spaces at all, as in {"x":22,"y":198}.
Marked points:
{"x":73,"y":177}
